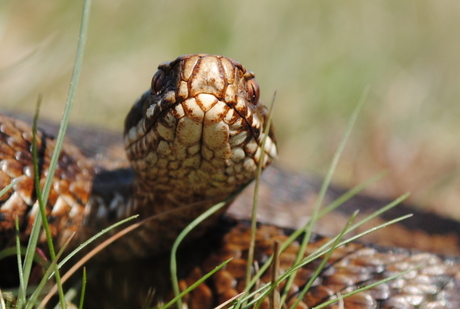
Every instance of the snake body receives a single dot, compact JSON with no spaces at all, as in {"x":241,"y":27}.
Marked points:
{"x":192,"y":140}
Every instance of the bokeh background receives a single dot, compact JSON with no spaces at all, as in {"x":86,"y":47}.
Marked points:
{"x":319,"y":56}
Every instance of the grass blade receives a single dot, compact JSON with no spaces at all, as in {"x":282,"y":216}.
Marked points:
{"x":179,"y":239}
{"x":52,"y":267}
{"x":184,"y":233}
{"x":83,"y":289}
{"x":89,"y":255}
{"x":22,"y":285}
{"x":350,"y":193}
{"x":322,"y":193}
{"x":36,"y":226}
{"x":365,"y":288}
{"x":318,"y":270}
{"x":195,"y":284}
{"x":93,"y":238}
{"x":266,"y":131}
{"x":8,"y":187}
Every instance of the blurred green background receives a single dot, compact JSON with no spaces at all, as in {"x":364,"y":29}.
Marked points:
{"x":319,"y":56}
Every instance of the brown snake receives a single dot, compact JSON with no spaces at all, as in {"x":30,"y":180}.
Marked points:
{"x":193,"y":139}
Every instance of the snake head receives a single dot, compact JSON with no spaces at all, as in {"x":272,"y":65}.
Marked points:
{"x":199,"y":128}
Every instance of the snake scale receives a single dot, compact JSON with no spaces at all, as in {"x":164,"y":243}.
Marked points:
{"x":193,"y":140}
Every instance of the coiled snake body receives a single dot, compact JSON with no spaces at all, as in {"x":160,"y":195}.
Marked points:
{"x":194,"y":139}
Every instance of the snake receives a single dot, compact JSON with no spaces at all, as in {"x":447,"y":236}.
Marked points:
{"x":197,"y":137}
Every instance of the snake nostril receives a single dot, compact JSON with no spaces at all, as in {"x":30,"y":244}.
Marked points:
{"x":158,"y":81}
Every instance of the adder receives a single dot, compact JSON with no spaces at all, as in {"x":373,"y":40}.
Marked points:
{"x":193,"y":140}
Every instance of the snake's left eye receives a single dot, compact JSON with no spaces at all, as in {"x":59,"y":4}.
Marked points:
{"x":158,"y":81}
{"x":253,"y":91}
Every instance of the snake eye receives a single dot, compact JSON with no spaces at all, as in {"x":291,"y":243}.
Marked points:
{"x":253,"y":91}
{"x":158,"y":81}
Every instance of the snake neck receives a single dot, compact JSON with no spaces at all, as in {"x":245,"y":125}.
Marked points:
{"x":115,"y":196}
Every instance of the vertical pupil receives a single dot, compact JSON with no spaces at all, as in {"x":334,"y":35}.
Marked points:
{"x":253,"y":91}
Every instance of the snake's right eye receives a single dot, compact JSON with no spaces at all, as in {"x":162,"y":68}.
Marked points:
{"x":158,"y":81}
{"x":253,"y":91}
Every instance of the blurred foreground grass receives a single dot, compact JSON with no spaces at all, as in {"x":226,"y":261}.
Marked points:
{"x":318,"y":55}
